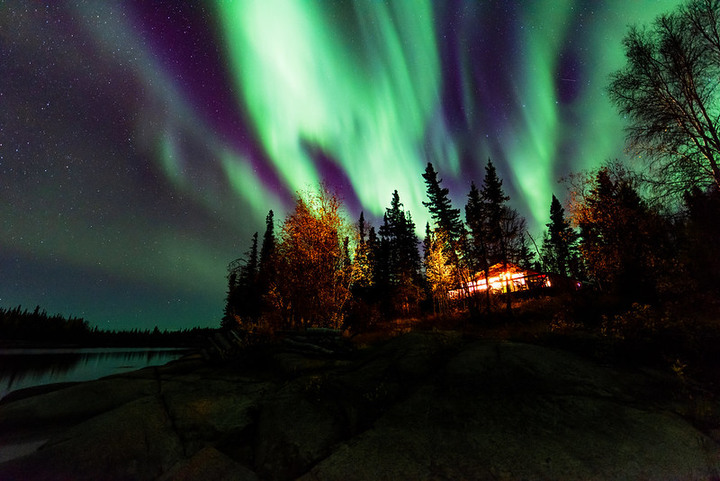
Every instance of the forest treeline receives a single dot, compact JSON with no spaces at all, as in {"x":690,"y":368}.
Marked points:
{"x":321,"y":271}
{"x":23,"y":328}
{"x":641,"y":240}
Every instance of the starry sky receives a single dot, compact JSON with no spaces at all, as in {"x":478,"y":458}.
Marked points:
{"x":142,"y":142}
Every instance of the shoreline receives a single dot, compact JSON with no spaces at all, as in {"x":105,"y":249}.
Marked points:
{"x":33,"y":371}
{"x":286,"y":411}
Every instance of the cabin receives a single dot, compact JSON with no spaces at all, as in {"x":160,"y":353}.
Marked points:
{"x":502,"y":278}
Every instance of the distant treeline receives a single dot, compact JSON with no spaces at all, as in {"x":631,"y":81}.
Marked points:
{"x":21,"y":327}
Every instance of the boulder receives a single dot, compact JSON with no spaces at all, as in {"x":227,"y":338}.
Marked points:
{"x":420,"y":406}
{"x":211,"y":411}
{"x":133,"y":442}
{"x":209,"y":464}
{"x":514,"y":411}
{"x":73,"y":404}
{"x":296,"y":429}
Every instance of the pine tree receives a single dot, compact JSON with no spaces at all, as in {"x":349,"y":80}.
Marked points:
{"x":493,"y":199}
{"x":400,"y":257}
{"x":427,"y":241}
{"x":249,"y":273}
{"x":622,"y":240}
{"x":450,"y":228}
{"x":267,"y":264}
{"x":503,"y":224}
{"x":560,"y":243}
{"x":268,"y":245}
{"x":362,"y":268}
{"x":361,"y":227}
{"x":477,"y":220}
{"x":440,"y":207}
{"x":475,"y":216}
{"x":242,"y":300}
{"x":525,"y":257}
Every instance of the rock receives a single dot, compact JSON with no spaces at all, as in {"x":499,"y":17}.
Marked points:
{"x":209,"y":464}
{"x":133,"y":442}
{"x":419,"y":406}
{"x":295,"y":430}
{"x":73,"y":404}
{"x":35,"y":391}
{"x":514,"y":411}
{"x":209,"y":411}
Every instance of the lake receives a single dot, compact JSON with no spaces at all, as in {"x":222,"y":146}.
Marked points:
{"x":22,"y":368}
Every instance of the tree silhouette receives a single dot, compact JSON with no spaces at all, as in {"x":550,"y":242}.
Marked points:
{"x":701,"y":230}
{"x":559,"y":248}
{"x":267,"y":252}
{"x":400,"y":257}
{"x":440,"y":207}
{"x":622,"y":240}
{"x":242,"y":304}
{"x":493,"y":200}
{"x":267,"y":268}
{"x":502,"y":224}
{"x":668,"y":89}
{"x":477,"y":221}
{"x":449,"y":228}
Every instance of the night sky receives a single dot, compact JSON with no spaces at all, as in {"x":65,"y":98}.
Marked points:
{"x":143,"y":142}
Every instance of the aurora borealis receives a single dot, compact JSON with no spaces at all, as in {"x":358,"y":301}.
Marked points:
{"x":143,"y":142}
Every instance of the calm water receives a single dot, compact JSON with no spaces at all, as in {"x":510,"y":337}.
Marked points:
{"x":21,"y":368}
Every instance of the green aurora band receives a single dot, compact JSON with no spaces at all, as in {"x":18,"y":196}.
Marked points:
{"x":152,"y":193}
{"x":369,"y":95}
{"x":366,"y":102}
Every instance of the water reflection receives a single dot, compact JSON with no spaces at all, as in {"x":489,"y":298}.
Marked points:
{"x":22,"y":368}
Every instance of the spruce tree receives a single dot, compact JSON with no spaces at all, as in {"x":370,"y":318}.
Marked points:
{"x":525,"y":256}
{"x":249,"y":273}
{"x":428,"y":241}
{"x":451,"y":230}
{"x":493,"y":199}
{"x":400,"y":256}
{"x":560,"y":242}
{"x":622,"y":239}
{"x":503,"y":224}
{"x":267,"y":264}
{"x":228,"y":319}
{"x":242,"y":297}
{"x":268,"y":245}
{"x":475,"y":216}
{"x":398,"y":231}
{"x":477,"y":220}
{"x":361,"y":227}
{"x":440,"y":207}
{"x":362,"y":275}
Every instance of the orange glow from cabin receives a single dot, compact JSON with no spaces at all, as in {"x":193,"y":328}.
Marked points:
{"x":512,"y":279}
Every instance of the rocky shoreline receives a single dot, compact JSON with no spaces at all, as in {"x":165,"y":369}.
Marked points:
{"x":424,"y":405}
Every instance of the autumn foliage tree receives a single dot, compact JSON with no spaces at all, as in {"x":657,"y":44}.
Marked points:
{"x":438,"y":269}
{"x":449,"y":231}
{"x":622,"y":240}
{"x":312,"y":261}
